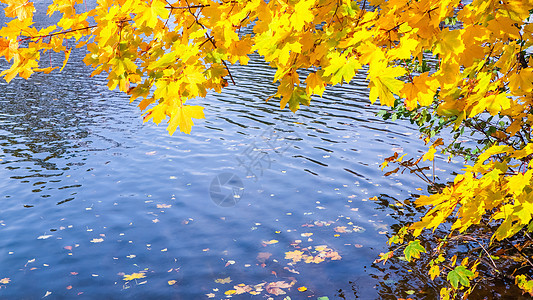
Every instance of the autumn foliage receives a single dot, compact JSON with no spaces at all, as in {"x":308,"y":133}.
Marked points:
{"x":446,"y":65}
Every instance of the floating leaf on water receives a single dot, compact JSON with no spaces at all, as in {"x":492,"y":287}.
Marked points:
{"x":97,"y":240}
{"x":242,"y":288}
{"x":263,"y":256}
{"x":133,"y":276}
{"x":223,"y":280}
{"x":269,"y":242}
{"x":47,"y":294}
{"x":291,"y":270}
{"x":230,"y":262}
{"x":341,"y":229}
{"x":295,"y":255}
{"x":5,"y":280}
{"x":302,"y":289}
{"x":172,"y":282}
{"x":275,"y":288}
{"x":210,"y":295}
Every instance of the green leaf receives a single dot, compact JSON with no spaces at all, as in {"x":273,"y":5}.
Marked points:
{"x":413,"y":250}
{"x":298,"y":97}
{"x":322,"y":298}
{"x":460,"y":275}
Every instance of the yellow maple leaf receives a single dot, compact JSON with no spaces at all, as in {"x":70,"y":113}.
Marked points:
{"x":314,"y":84}
{"x":182,"y":116}
{"x":429,"y":155}
{"x":302,"y":14}
{"x":21,"y":9}
{"x":421,"y":90}
{"x":449,"y":43}
{"x":383,"y":83}
{"x":133,"y":276}
{"x":434,"y":272}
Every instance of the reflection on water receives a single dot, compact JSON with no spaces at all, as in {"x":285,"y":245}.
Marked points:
{"x":90,"y":195}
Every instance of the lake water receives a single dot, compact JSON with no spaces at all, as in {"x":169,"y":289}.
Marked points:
{"x":89,"y":194}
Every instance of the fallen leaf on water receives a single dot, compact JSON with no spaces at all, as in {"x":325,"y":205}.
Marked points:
{"x":263,"y":256}
{"x":230,"y":262}
{"x":269,"y":242}
{"x":295,"y":255}
{"x":47,"y":294}
{"x":291,"y":270}
{"x":172,"y":282}
{"x":164,"y":206}
{"x":74,"y":273}
{"x":151,"y":153}
{"x":30,"y":261}
{"x":44,"y":237}
{"x":134,"y":276}
{"x":275,"y":288}
{"x":97,"y":240}
{"x":307,"y":234}
{"x":5,"y":280}
{"x":302,"y":289}
{"x":68,"y":248}
{"x":210,"y":295}
{"x":69,"y":287}
{"x":155,"y":220}
{"x":242,"y":288}
{"x":230,"y":292}
{"x":340,"y":229}
{"x":223,"y":280}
